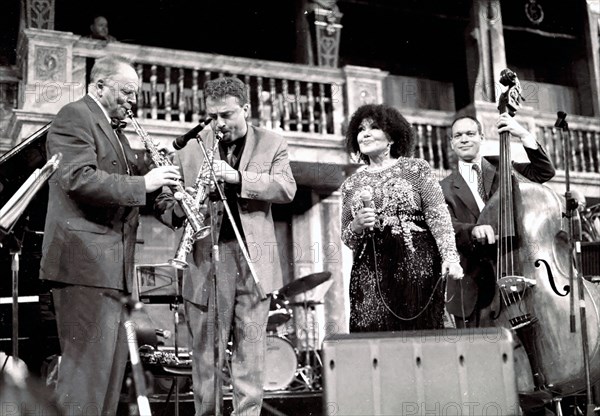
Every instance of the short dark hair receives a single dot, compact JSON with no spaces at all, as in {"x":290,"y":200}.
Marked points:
{"x":224,"y":86}
{"x":388,"y":119}
{"x":479,"y":126}
{"x":108,"y":66}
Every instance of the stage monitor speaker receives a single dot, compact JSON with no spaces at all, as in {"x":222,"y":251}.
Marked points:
{"x":437,"y":372}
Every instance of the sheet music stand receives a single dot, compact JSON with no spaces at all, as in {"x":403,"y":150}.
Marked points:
{"x":159,"y":284}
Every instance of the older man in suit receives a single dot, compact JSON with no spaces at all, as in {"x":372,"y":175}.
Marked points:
{"x":90,"y":234}
{"x":466,"y":191}
{"x":253,"y":163}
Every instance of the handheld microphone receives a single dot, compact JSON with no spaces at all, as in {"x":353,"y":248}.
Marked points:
{"x":180,"y":142}
{"x":367,"y":200}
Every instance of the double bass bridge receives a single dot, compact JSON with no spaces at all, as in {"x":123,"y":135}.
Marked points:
{"x":515,"y":285}
{"x":512,"y":291}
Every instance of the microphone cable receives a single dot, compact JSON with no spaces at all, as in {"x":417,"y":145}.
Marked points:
{"x":440,"y":279}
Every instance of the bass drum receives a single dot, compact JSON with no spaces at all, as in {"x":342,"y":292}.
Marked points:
{"x":280,"y":363}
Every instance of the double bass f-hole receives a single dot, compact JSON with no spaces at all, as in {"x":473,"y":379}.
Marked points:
{"x":566,"y":288}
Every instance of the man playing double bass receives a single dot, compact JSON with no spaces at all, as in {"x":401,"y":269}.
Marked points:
{"x":466,"y":192}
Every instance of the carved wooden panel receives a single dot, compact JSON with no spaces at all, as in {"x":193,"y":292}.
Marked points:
{"x":50,"y":63}
{"x":40,"y":14}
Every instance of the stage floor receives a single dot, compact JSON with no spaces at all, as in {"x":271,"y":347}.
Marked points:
{"x":275,"y":403}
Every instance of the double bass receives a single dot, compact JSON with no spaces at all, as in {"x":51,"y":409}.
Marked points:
{"x":532,"y":267}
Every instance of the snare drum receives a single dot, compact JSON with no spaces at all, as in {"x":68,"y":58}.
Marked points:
{"x":280,"y":363}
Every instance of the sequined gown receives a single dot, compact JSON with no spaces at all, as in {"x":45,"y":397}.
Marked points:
{"x":412,"y":235}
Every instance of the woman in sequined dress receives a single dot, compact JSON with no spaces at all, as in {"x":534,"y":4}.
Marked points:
{"x":402,"y":244}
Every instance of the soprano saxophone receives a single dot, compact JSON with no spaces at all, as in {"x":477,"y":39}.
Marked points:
{"x":202,"y":186}
{"x":194,"y":217}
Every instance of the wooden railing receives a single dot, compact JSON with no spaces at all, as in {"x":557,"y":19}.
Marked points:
{"x":283,"y":96}
{"x":307,"y":104}
{"x":279,"y":104}
{"x":584,"y":149}
{"x":584,"y":139}
{"x":432,"y":129}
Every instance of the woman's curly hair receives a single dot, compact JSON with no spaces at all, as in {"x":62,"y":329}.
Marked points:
{"x":387,"y":119}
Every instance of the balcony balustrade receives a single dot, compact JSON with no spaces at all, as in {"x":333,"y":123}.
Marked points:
{"x":309,"y":105}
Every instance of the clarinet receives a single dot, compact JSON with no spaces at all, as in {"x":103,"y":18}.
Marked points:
{"x":202,"y":186}
{"x":194,"y":217}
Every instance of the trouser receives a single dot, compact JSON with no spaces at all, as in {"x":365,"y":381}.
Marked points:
{"x":93,"y":350}
{"x":478,"y":318}
{"x":242,"y":314}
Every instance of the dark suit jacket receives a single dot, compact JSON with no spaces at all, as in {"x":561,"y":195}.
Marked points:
{"x":465,"y":213}
{"x":266,"y":178}
{"x":91,"y":223}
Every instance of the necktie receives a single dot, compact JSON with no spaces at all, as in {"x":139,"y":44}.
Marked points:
{"x":480,"y":187}
{"x":231,"y":159}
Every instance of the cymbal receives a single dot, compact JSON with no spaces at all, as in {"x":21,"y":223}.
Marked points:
{"x":304,"y":284}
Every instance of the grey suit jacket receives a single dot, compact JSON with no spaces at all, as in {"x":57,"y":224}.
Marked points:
{"x":91,"y":222}
{"x":266,"y":178}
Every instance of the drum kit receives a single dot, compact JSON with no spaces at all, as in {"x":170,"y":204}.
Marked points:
{"x":292,"y":361}
{"x":286,"y":367}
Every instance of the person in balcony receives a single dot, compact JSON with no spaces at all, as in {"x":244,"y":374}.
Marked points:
{"x":90,"y":235}
{"x":466,"y":192}
{"x":395,"y":220}
{"x":99,"y":30}
{"x":253,"y":163}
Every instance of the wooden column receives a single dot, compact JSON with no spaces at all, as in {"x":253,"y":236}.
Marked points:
{"x":318,"y":31}
{"x":317,"y":247}
{"x":591,"y":35}
{"x":37,"y":14}
{"x":486,"y":57}
{"x":363,"y":86}
{"x":334,"y":261}
{"x":50,"y":78}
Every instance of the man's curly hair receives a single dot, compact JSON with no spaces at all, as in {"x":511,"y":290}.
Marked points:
{"x":388,"y":119}
{"x":226,"y":86}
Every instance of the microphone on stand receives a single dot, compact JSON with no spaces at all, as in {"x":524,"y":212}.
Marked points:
{"x":181,"y":141}
{"x":560,"y":121}
{"x":367,"y":200}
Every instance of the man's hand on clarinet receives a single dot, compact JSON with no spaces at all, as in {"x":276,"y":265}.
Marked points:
{"x":225,"y":172}
{"x":161,"y":176}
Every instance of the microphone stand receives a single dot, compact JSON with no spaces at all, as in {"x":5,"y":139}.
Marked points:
{"x":174,"y":306}
{"x":215,"y":244}
{"x":137,"y":371}
{"x":574,"y":221}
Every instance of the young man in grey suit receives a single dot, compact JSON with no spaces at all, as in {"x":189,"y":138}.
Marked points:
{"x":89,"y":236}
{"x":254,"y":166}
{"x":466,"y":191}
